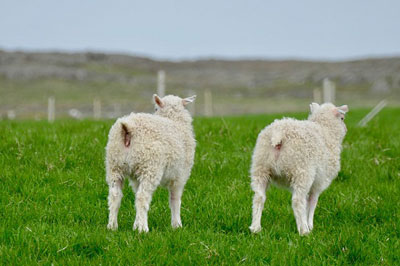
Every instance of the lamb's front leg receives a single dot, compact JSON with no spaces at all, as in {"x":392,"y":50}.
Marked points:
{"x":175,"y":195}
{"x":144,"y":194}
{"x":114,"y":201}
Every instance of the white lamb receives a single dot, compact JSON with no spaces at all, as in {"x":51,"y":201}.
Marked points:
{"x":303,"y":156}
{"x":150,"y":150}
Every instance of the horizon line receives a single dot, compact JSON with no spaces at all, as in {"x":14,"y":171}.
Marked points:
{"x":204,"y":57}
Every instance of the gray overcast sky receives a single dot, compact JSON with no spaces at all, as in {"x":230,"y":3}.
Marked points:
{"x":311,"y":29}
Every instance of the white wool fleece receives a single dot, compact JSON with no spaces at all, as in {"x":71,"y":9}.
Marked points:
{"x":150,"y":150}
{"x":303,"y":156}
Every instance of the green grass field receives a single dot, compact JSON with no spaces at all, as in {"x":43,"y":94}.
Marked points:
{"x":53,"y":200}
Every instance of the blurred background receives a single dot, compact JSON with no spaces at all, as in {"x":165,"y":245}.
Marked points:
{"x":103,"y":59}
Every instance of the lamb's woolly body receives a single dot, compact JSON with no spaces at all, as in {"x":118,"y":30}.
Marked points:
{"x":302,"y":143}
{"x":160,"y":152}
{"x":156,"y":142}
{"x":303,"y":156}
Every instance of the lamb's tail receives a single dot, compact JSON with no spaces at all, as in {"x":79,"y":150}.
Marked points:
{"x":126,"y":133}
{"x":276,"y":139}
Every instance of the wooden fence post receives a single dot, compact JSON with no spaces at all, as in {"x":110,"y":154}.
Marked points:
{"x":11,"y":115}
{"x":329,"y":91}
{"x":96,"y":109}
{"x":208,"y":108}
{"x":317,"y":95}
{"x":161,"y":83}
{"x":51,"y":109}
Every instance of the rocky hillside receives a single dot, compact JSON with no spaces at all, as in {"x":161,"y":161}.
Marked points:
{"x":110,"y":76}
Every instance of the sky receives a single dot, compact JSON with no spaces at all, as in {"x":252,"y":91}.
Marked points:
{"x":176,"y":30}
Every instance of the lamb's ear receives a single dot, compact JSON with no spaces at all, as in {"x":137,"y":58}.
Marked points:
{"x":343,"y":109}
{"x":157,"y":100}
{"x":314,"y":107}
{"x":188,"y":100}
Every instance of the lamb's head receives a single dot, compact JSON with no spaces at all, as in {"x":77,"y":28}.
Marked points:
{"x":173,"y":107}
{"x":331,"y":117}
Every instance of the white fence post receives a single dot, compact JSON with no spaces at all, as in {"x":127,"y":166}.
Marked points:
{"x":317,"y":95}
{"x":373,"y":113}
{"x":96,"y":109}
{"x":51,"y":109}
{"x":11,"y":114}
{"x":208,"y":108}
{"x":161,"y":83}
{"x":329,"y":91}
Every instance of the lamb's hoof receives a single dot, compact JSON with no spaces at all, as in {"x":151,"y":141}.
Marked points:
{"x":310,"y":226}
{"x":176,"y":224}
{"x":112,"y":226}
{"x":140,"y":227}
{"x":255,"y":229}
{"x":304,"y":232}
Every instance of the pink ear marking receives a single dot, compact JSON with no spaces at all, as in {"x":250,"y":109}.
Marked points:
{"x":336,"y":112}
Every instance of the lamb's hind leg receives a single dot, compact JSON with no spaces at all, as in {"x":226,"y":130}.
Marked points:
{"x":299,"y":205}
{"x":134,"y":185}
{"x":312,"y":204}
{"x":115,"y":184}
{"x":259,"y":186}
{"x":175,"y":195}
{"x":144,"y":193}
